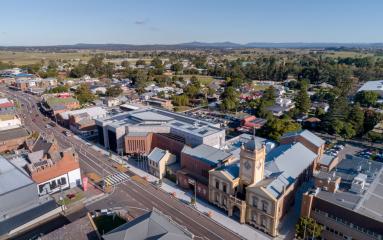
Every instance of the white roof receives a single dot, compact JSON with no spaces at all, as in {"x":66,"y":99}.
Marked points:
{"x":4,"y":100}
{"x":93,"y":112}
{"x":372,"y":86}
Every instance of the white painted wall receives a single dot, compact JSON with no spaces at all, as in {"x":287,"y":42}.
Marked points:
{"x":75,"y":177}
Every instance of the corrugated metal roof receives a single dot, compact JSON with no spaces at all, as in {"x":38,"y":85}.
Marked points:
{"x":207,"y":153}
{"x":157,"y":154}
{"x":11,"y":178}
{"x":311,"y":137}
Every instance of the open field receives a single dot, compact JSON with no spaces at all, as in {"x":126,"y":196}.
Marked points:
{"x":22,"y":58}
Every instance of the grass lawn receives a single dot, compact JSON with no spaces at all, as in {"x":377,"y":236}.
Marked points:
{"x":22,"y":58}
{"x":204,"y":80}
{"x":106,"y":223}
{"x":67,"y":201}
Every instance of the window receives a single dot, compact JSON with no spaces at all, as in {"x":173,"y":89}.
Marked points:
{"x":224,"y":187}
{"x":264,"y":222}
{"x":254,"y":217}
{"x":265,"y":206}
{"x":217,"y":184}
{"x":255,"y":202}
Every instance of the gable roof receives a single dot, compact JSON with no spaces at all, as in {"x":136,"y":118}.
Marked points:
{"x":157,"y":154}
{"x":306,"y":134}
{"x":284,"y":164}
{"x":152,"y":225}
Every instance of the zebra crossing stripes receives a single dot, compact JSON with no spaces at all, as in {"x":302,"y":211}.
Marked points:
{"x":115,"y":179}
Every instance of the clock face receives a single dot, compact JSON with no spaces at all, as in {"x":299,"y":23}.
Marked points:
{"x":247,"y":165}
{"x":258,"y":165}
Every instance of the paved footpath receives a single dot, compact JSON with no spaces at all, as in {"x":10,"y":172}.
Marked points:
{"x":218,"y":215}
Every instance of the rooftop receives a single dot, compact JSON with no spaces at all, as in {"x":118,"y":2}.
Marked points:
{"x":284,"y":164}
{"x":13,"y":133}
{"x":372,"y":86}
{"x":152,"y":225}
{"x":207,"y":154}
{"x":52,"y":101}
{"x":156,"y":154}
{"x":149,"y":117}
{"x":11,"y":178}
{"x":92,"y":111}
{"x":369,"y":201}
{"x":306,"y":134}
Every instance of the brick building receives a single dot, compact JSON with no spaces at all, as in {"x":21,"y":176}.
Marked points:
{"x":12,"y":139}
{"x":195,"y":166}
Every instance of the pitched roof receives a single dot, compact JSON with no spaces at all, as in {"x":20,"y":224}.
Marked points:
{"x":306,"y":134}
{"x":284,"y":164}
{"x":206,"y":153}
{"x":157,"y":154}
{"x":152,"y":225}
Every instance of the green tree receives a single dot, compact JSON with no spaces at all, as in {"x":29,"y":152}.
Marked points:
{"x":181,"y":100}
{"x":348,"y":131}
{"x":230,"y":99}
{"x":113,"y":91}
{"x":307,"y":228}
{"x":366,"y":98}
{"x":156,"y":62}
{"x":59,"y":89}
{"x":275,"y":128}
{"x":356,"y":118}
{"x":83,"y":94}
{"x":140,"y":62}
{"x":302,"y":101}
{"x":177,"y":67}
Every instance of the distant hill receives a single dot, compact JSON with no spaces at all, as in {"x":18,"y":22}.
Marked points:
{"x":193,"y":45}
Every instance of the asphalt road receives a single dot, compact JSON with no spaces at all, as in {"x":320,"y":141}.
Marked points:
{"x":133,"y":196}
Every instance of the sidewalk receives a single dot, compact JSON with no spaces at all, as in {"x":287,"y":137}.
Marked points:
{"x":218,"y":215}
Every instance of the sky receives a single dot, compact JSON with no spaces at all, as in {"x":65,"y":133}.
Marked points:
{"x":47,"y":22}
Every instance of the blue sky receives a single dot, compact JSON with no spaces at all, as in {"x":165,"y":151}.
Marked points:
{"x":49,"y":22}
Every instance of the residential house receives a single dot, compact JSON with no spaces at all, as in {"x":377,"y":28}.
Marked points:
{"x":9,"y":121}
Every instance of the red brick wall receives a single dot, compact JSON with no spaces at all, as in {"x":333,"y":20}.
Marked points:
{"x":202,"y":189}
{"x":195,"y":166}
{"x":163,"y":142}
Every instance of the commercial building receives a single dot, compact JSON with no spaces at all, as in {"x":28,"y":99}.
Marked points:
{"x":160,"y":102}
{"x":158,"y":159}
{"x":151,"y":225}
{"x":9,"y":121}
{"x":20,"y":205}
{"x":260,"y":187}
{"x":12,"y":139}
{"x":82,"y":121}
{"x":54,"y":104}
{"x":6,"y":106}
{"x":374,"y":86}
{"x":193,"y":132}
{"x":347,"y":201}
{"x":53,"y":169}
{"x":195,"y":166}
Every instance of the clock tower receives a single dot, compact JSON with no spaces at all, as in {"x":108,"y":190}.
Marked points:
{"x":252,"y":163}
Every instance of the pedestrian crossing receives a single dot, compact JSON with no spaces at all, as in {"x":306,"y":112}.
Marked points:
{"x":116,"y":179}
